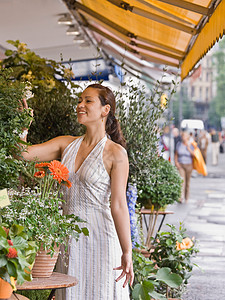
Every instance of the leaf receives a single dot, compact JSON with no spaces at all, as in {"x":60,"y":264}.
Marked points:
{"x":11,"y":268}
{"x":3,"y":260}
{"x":19,"y":242}
{"x":85,"y":231}
{"x":3,"y":243}
{"x":157,"y":296}
{"x":2,"y":232}
{"x":8,"y":52}
{"x":171,"y":279}
{"x":141,"y":290}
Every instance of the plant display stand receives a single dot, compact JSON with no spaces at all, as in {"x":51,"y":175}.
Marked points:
{"x":150,"y":226}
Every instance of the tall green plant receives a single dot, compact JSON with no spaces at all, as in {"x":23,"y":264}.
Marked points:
{"x":139,"y":115}
{"x":12,"y":123}
{"x":53,"y":91}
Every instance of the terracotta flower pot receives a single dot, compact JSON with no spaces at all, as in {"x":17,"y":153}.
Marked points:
{"x":44,"y":264}
{"x":5,"y":289}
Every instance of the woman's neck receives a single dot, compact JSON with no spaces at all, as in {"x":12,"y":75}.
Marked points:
{"x":93,"y":136}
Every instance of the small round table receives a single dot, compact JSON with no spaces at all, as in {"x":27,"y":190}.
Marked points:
{"x":56,"y":281}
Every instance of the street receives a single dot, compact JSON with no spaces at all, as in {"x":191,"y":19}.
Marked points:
{"x":204,"y":218}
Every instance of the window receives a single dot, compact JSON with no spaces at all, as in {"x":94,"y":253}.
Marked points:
{"x":192,"y":91}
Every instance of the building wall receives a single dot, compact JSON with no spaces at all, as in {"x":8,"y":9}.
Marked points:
{"x":201,"y":87}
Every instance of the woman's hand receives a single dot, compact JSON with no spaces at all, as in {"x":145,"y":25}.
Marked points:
{"x":24,"y":105}
{"x":127,"y":269}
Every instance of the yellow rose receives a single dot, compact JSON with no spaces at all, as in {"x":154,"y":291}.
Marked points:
{"x":22,"y":47}
{"x":68,"y":73}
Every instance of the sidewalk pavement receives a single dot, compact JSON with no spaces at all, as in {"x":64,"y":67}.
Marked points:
{"x":204,"y":218}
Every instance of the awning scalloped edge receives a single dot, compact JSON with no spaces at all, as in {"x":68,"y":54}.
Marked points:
{"x":212,"y":31}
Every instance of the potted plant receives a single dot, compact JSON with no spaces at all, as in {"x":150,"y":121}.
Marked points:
{"x":174,"y":249}
{"x":12,"y":123}
{"x":163,"y":188}
{"x":17,"y":255}
{"x":149,"y":276}
{"x":39,"y":210}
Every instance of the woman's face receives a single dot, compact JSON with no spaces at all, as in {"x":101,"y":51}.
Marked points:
{"x":185,"y":137}
{"x":89,"y":108}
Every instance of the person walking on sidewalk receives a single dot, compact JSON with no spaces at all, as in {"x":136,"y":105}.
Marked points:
{"x":215,"y":146}
{"x":203,"y":144}
{"x":184,"y":162}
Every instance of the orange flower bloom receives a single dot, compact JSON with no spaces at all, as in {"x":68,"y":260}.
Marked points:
{"x":12,"y":253}
{"x":59,"y":171}
{"x":39,"y":174}
{"x":41,"y":166}
{"x":67,"y":183}
{"x":185,"y":244}
{"x":10,"y":242}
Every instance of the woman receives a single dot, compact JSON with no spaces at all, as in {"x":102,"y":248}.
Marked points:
{"x":183,"y":160}
{"x":203,"y":144}
{"x":98,"y":167}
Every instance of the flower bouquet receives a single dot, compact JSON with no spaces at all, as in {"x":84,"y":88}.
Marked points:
{"x":17,"y":254}
{"x":39,"y":209}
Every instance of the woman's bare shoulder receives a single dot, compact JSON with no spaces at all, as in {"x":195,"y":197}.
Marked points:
{"x":116,"y":150}
{"x":66,"y":140}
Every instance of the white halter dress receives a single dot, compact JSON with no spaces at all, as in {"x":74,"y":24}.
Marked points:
{"x":92,"y":258}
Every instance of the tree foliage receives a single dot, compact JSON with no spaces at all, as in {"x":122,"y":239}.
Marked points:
{"x":217,"y":106}
{"x":187,"y":106}
{"x":53,"y":91}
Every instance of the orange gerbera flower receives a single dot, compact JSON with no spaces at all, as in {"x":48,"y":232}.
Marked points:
{"x":41,"y":166}
{"x":39,"y":174}
{"x":67,"y":183}
{"x":58,"y":170}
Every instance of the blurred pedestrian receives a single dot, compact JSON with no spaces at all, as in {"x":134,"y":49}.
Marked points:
{"x":184,"y":162}
{"x":203,"y":144}
{"x":215,"y":146}
{"x":176,"y":136}
{"x":165,"y":142}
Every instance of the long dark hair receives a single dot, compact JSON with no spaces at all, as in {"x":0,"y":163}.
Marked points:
{"x":113,"y":128}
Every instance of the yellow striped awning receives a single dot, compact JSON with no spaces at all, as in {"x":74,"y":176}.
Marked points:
{"x":174,"y":33}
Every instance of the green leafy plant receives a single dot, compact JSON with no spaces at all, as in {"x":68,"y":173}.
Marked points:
{"x":165,"y":187}
{"x":17,"y":254}
{"x":53,"y":92}
{"x":12,"y":123}
{"x":174,"y":249}
{"x":148,"y":277}
{"x":39,"y":209}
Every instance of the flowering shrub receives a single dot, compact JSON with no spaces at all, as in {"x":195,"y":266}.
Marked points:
{"x":39,"y":209}
{"x":17,"y":254}
{"x":173,"y":249}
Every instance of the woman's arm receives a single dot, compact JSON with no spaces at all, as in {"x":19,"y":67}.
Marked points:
{"x":176,"y":160}
{"x":49,"y":150}
{"x":119,"y":209}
